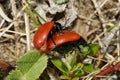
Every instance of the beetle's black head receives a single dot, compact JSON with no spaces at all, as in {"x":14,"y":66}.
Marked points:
{"x":58,"y":27}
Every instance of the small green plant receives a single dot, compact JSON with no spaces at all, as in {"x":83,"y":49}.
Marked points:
{"x":71,"y":67}
{"x":32,"y":64}
{"x":29,"y":66}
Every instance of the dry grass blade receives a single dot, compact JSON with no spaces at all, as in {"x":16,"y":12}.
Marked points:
{"x":3,"y":15}
{"x":6,"y":29}
{"x":106,"y":41}
{"x":27,"y":30}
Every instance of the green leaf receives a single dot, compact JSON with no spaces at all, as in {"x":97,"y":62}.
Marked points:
{"x":76,"y":78}
{"x":88,"y":68}
{"x":93,"y":49}
{"x":78,"y":70}
{"x":30,"y":66}
{"x":64,"y":77}
{"x":31,"y":12}
{"x":84,"y":49}
{"x":32,"y":16}
{"x":60,"y":65}
{"x":72,"y":59}
{"x":79,"y":73}
{"x":16,"y":75}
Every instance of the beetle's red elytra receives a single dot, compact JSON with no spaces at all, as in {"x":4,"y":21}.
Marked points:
{"x":41,"y":34}
{"x":61,"y":38}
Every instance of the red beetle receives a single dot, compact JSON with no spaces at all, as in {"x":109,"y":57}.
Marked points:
{"x":44,"y":32}
{"x":52,"y":36}
{"x":63,"y":41}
